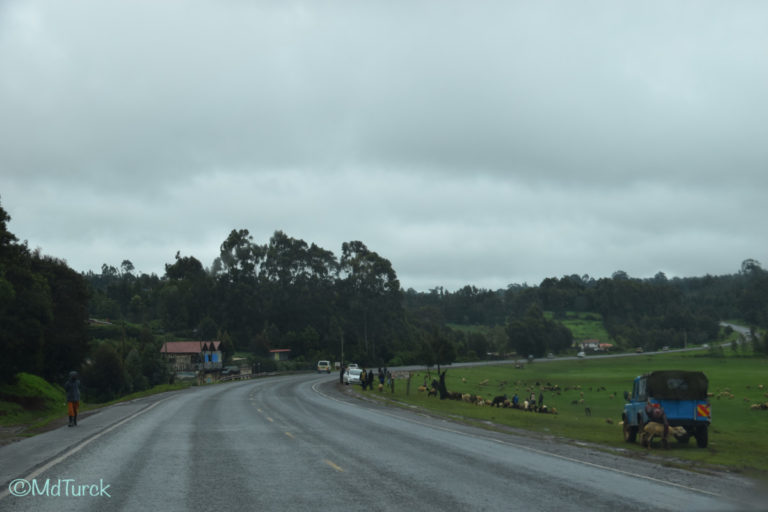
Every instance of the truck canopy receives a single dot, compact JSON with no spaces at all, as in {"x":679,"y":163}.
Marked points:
{"x":677,"y":385}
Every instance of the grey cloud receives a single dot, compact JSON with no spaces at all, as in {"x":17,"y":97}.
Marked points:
{"x":465,"y":143}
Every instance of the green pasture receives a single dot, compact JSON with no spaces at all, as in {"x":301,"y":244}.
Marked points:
{"x":586,"y":326}
{"x":738,"y":436}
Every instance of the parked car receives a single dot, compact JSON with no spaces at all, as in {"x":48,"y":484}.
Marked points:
{"x":323,"y":366}
{"x":231,"y":370}
{"x":683,"y":396}
{"x":581,"y":354}
{"x":550,"y":356}
{"x":352,"y":376}
{"x":352,"y":365}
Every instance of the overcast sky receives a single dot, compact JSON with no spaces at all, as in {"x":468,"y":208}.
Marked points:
{"x":482,"y":143}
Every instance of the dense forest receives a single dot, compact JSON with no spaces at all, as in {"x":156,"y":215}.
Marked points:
{"x":287,"y":293}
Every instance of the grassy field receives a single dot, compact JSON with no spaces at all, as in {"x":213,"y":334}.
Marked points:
{"x":738,"y":435}
{"x":586,"y":326}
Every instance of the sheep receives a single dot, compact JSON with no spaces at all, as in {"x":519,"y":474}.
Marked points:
{"x":480,"y":403}
{"x":463,"y":380}
{"x":466,"y":397}
{"x":507,"y":404}
{"x":484,"y":382}
{"x":651,"y":430}
{"x":422,"y":388}
{"x":609,"y":421}
{"x":432,"y":392}
{"x":755,"y":407}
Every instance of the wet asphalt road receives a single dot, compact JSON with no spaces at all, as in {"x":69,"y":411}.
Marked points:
{"x":298,"y":443}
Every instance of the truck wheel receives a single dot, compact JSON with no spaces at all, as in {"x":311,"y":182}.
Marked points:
{"x":702,"y":436}
{"x":630,"y":432}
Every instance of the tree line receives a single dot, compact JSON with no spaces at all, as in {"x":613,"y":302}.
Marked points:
{"x":287,"y":293}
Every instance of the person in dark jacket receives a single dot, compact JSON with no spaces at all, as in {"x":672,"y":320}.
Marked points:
{"x":72,"y":387}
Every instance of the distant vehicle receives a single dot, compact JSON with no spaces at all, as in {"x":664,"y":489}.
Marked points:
{"x":352,"y":365}
{"x":639,"y":350}
{"x":580,"y":355}
{"x":352,"y":376}
{"x":706,"y":345}
{"x":323,"y":366}
{"x":682,"y":394}
{"x":530,"y":357}
{"x":665,"y":348}
{"x":231,"y":370}
{"x":550,"y":356}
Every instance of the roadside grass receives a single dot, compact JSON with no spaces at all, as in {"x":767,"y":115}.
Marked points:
{"x":32,"y":403}
{"x":737,"y":437}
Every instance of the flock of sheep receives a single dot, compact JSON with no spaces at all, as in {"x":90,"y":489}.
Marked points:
{"x":726,"y":393}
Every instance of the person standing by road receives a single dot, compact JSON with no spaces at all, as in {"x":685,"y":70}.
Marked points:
{"x":72,"y":387}
{"x":341,"y":375}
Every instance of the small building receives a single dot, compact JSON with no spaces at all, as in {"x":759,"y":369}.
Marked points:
{"x":280,"y":354}
{"x":590,"y":345}
{"x":595,"y":346}
{"x":183,"y":356}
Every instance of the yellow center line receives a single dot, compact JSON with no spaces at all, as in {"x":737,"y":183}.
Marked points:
{"x":289,"y":435}
{"x":334,"y":466}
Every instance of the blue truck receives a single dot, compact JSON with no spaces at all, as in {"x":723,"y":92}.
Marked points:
{"x":682,"y":394}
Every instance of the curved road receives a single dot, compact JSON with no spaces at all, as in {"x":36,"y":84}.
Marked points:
{"x":300,"y":443}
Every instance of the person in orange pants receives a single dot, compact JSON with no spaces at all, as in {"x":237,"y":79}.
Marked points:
{"x":72,"y":387}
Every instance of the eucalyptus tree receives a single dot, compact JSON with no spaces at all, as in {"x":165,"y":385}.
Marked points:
{"x":370,"y":291}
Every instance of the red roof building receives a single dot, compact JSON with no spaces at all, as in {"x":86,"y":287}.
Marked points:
{"x":192,"y":355}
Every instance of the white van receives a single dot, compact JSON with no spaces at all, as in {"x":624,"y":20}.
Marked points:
{"x":323,"y":366}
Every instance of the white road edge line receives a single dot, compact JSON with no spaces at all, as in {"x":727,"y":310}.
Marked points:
{"x":528,"y":448}
{"x":48,"y":465}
